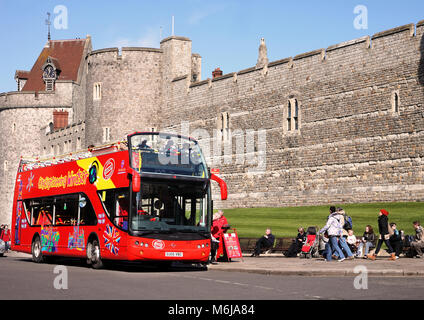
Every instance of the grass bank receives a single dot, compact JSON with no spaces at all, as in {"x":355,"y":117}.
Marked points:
{"x":252,"y":222}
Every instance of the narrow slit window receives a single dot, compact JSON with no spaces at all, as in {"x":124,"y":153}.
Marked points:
{"x":296,"y":116}
{"x":289,"y":116}
{"x":396,"y":102}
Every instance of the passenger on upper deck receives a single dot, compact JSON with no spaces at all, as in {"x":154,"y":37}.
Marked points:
{"x":144,"y":145}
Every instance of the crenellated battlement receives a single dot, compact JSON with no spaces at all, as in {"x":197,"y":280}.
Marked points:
{"x":126,"y":53}
{"x":395,"y":37}
{"x":62,"y":96}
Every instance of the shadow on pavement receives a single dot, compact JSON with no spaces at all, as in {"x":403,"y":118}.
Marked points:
{"x":134,"y":267}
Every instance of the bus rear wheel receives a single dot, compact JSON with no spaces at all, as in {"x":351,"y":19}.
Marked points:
{"x":93,"y":254}
{"x":37,"y":255}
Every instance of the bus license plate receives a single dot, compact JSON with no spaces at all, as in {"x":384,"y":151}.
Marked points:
{"x":174,"y":254}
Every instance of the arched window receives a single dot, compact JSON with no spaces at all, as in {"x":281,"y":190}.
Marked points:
{"x":97,"y":91}
{"x":224,"y":125}
{"x":293,"y":115}
{"x":296,"y":115}
{"x":396,"y":102}
{"x":289,"y":116}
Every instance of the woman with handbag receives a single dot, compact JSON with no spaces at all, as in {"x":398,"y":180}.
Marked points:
{"x":385,"y":232}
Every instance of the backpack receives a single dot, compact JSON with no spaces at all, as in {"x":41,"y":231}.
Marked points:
{"x":348,"y":223}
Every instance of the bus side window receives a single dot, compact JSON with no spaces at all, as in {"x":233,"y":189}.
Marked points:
{"x":116,"y":203}
{"x":87,"y":214}
{"x":66,"y":210}
{"x":41,"y":211}
{"x":122,"y":209}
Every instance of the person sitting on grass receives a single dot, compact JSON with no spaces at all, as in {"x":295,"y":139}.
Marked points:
{"x":418,"y":244}
{"x":367,"y":242}
{"x":266,"y":242}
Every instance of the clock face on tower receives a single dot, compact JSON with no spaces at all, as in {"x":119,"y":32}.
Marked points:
{"x":49,"y":72}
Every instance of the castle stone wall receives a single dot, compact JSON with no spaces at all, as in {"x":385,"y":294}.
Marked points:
{"x":351,"y":146}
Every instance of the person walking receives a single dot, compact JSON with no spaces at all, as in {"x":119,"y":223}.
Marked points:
{"x":334,"y":231}
{"x":342,"y":240}
{"x":383,"y":229}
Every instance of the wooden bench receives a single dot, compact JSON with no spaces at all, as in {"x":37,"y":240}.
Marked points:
{"x":280,"y":244}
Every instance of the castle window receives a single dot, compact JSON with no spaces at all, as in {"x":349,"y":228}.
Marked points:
{"x":65,"y":146}
{"x":14,"y":127}
{"x":5,"y":165}
{"x":224,"y":125}
{"x":106,"y":134}
{"x":289,"y":116}
{"x":292,"y":116}
{"x":49,"y":85}
{"x":395,"y":102}
{"x":97,"y":91}
{"x":78,"y":143}
{"x":296,"y":116}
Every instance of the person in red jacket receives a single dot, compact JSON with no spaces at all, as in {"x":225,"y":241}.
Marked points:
{"x":219,"y":226}
{"x":215,"y":236}
{"x":5,"y":236}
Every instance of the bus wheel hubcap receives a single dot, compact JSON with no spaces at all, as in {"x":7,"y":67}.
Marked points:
{"x":36,"y":249}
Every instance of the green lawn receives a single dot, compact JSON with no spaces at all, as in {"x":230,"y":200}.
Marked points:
{"x":284,"y":222}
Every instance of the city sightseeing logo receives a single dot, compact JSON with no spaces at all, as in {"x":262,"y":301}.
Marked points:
{"x":70,"y":180}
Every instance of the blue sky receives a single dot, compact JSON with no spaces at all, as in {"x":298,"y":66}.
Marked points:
{"x":225,"y":33}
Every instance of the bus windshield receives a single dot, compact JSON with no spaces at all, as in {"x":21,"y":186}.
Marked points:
{"x":166,"y":154}
{"x":171,"y":207}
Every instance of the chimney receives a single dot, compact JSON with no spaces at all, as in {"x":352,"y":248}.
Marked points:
{"x":216,"y":73}
{"x":60,"y":119}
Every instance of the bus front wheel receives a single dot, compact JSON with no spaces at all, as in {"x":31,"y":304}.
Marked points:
{"x":37,"y":255}
{"x":93,"y":254}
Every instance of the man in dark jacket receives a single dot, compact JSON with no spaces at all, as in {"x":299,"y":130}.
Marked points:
{"x":383,"y":228}
{"x":297,"y":244}
{"x":396,"y":240}
{"x":267,"y":241}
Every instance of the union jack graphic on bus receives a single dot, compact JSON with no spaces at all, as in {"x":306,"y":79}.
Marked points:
{"x":112,"y":238}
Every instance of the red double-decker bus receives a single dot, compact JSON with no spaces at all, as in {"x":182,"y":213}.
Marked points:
{"x":144,"y":199}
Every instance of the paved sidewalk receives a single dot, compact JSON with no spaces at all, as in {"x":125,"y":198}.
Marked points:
{"x":279,"y":265}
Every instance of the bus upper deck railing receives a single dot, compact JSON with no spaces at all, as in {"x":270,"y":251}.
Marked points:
{"x":36,"y":163}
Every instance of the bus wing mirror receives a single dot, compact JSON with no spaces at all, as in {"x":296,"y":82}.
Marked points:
{"x":222,"y":186}
{"x":136,"y":183}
